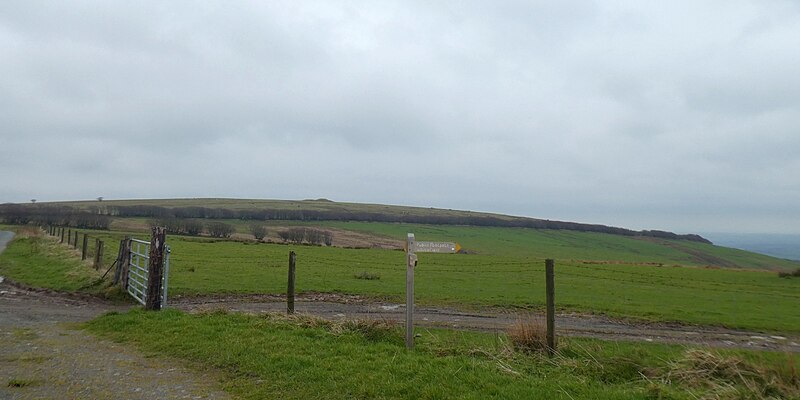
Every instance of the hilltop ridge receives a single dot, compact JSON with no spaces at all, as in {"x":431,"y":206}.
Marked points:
{"x":314,"y":210}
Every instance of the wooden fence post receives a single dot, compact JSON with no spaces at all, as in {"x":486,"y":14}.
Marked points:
{"x":75,"y":240}
{"x":551,"y":306}
{"x":290,"y":289}
{"x":62,"y":234}
{"x":123,"y":262}
{"x":85,"y":248}
{"x":98,"y":256}
{"x":155,"y":270}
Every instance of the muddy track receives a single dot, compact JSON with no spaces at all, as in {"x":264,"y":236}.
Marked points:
{"x":354,"y":307}
{"x":25,"y":306}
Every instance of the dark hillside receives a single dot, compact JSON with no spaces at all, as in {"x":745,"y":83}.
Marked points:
{"x":305,"y":210}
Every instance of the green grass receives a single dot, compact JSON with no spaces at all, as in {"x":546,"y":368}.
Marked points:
{"x":42,"y":262}
{"x":746,"y":299}
{"x":276,"y":357}
{"x":572,"y":245}
{"x":734,"y":298}
{"x":487,"y":240}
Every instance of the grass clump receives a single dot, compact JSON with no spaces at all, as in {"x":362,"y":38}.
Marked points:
{"x":731,"y":377}
{"x":374,"y":330}
{"x":369,"y":276}
{"x":21,"y":383}
{"x":528,"y":335}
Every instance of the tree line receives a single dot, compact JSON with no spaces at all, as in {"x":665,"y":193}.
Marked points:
{"x":24,"y":214}
{"x":306,"y":235}
{"x":191,"y":227}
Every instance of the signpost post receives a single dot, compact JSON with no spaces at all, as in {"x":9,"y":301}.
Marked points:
{"x":413,"y":247}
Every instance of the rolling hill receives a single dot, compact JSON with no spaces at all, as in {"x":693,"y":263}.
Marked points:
{"x":483,"y":233}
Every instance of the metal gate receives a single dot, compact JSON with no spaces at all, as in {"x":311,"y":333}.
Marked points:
{"x":137,"y":271}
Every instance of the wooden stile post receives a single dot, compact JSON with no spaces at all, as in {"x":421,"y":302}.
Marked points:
{"x":98,"y":255}
{"x":85,"y":248}
{"x":551,"y":306}
{"x":155,"y":270}
{"x":290,"y":288}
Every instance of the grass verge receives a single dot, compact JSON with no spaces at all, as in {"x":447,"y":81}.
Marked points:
{"x":36,"y":260}
{"x":278,"y":357}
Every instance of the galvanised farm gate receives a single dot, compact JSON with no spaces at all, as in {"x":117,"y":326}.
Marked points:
{"x":143,"y":269}
{"x":138,"y":271}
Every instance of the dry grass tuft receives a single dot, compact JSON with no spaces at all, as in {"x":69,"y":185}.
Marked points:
{"x":370,"y":276}
{"x":528,"y":335}
{"x":729,"y":377}
{"x":369,"y":329}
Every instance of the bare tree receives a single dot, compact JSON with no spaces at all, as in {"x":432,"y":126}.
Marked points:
{"x":33,"y":201}
{"x":219,"y":229}
{"x":259,"y":231}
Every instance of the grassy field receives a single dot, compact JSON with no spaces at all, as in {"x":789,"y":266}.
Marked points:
{"x":303,"y":358}
{"x":734,"y":298}
{"x":536,"y":243}
{"x":572,"y":245}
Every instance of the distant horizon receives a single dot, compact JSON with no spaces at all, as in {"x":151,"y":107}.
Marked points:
{"x":780,"y":245}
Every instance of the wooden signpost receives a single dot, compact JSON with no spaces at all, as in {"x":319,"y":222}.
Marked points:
{"x":413,"y":247}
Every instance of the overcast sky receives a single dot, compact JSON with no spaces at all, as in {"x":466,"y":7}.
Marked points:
{"x":678,"y":115}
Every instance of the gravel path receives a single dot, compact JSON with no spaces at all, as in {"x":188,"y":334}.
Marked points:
{"x":43,"y":354}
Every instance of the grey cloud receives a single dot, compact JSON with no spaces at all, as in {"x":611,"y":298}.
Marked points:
{"x":667,"y":115}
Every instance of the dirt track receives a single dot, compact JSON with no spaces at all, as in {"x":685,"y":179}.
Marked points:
{"x":337,"y":306}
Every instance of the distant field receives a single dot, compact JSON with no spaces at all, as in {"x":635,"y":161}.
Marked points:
{"x":540,"y":243}
{"x":734,"y":298}
{"x":523,"y":242}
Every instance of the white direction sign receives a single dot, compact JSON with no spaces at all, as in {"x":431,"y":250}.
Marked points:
{"x":436,"y":247}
